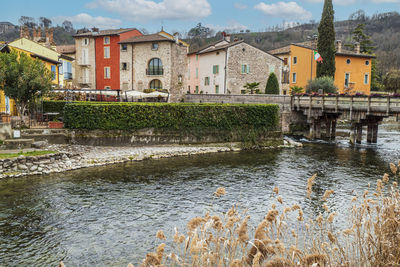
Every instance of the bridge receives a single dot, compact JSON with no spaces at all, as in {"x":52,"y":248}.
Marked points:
{"x":321,"y":113}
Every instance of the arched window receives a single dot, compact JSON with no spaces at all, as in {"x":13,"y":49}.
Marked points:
{"x":155,"y":67}
{"x":155,"y":84}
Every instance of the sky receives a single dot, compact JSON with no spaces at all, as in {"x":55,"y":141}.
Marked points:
{"x":181,"y":15}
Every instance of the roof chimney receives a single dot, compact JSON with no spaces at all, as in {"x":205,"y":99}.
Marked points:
{"x":357,"y":48}
{"x":338,"y":46}
{"x":176,"y":37}
{"x":227,"y":38}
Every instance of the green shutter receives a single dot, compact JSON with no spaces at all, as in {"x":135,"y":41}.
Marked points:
{"x":248,"y":69}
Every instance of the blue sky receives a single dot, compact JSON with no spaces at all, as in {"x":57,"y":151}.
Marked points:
{"x":181,"y":15}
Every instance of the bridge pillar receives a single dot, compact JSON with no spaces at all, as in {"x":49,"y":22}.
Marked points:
{"x":359,"y":133}
{"x":353,"y":133}
{"x":317,"y":129}
{"x":333,"y":129}
{"x":372,"y":133}
{"x":328,"y":124}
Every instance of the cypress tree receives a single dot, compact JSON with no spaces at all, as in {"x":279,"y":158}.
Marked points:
{"x":272,"y":87}
{"x":326,"y":42}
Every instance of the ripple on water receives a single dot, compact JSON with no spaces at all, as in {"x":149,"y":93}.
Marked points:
{"x":109,"y":215}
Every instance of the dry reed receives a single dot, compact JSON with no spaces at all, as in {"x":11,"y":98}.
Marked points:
{"x":372,"y":237}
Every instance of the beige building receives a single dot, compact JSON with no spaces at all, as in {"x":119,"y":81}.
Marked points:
{"x":224,"y":67}
{"x":85,"y":60}
{"x":154,"y":61}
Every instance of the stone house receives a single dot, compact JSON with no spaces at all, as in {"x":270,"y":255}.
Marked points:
{"x":225,"y":67}
{"x":154,"y":61}
{"x":353,"y":69}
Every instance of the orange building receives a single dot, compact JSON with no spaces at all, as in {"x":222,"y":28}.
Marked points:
{"x":353,"y":69}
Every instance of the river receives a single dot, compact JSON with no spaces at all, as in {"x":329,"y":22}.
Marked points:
{"x":108,"y":216}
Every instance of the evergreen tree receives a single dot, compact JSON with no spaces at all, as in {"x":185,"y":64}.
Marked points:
{"x":326,"y":42}
{"x":272,"y":87}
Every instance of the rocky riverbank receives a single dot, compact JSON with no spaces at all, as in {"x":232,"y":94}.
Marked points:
{"x":72,"y":157}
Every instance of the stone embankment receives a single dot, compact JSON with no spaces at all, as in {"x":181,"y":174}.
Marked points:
{"x":77,"y":157}
{"x":72,"y":157}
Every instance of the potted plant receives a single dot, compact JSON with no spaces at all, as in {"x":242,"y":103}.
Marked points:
{"x":56,"y":124}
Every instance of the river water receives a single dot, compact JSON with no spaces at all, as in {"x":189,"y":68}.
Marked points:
{"x":108,"y":216}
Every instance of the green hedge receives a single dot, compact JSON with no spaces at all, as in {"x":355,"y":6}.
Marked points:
{"x":53,"y":106}
{"x":179,"y":116}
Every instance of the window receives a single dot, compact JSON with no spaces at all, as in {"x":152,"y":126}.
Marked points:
{"x":85,"y":56}
{"x":245,"y":69}
{"x":155,"y":84}
{"x":197,"y":57}
{"x":106,"y":52}
{"x":197,"y":72}
{"x":85,"y":41}
{"x":285,"y":61}
{"x":189,"y":88}
{"x":85,"y":78}
{"x":346,"y":80}
{"x":294,"y":60}
{"x":217,"y":89}
{"x":216,"y":69}
{"x":53,"y":72}
{"x":124,"y":66}
{"x":106,"y":40}
{"x":367,"y":62}
{"x":107,"y":73}
{"x":207,"y":81}
{"x":155,"y":67}
{"x":271,"y":68}
{"x":107,"y":87}
{"x":154,"y":46}
{"x":348,"y":61}
{"x":294,"y":78}
{"x":124,"y":47}
{"x":366,"y":78}
{"x":197,"y":89}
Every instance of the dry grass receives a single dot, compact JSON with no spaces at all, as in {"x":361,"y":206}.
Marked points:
{"x":371,"y":239}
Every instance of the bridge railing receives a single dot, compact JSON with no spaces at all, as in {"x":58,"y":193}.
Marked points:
{"x":388,"y":105}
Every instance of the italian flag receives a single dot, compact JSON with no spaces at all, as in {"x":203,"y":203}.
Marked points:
{"x":317,"y":56}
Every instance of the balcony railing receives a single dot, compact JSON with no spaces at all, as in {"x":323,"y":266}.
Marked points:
{"x":155,"y":71}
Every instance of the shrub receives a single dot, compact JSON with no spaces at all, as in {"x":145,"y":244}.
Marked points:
{"x":325,"y":83}
{"x":296,"y":90}
{"x":272,"y":87}
{"x":245,"y":118}
{"x":54,"y":106}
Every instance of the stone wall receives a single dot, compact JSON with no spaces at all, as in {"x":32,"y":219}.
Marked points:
{"x":5,"y":131}
{"x":179,"y":70}
{"x":44,"y":164}
{"x":126,"y":76}
{"x":261,"y":65}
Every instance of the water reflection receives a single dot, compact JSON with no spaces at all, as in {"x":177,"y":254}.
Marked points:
{"x":109,"y":216}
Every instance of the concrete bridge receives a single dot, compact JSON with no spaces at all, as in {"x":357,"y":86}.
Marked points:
{"x":320,"y":113}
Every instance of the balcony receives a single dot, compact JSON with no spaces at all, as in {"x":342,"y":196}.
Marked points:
{"x":155,"y":72}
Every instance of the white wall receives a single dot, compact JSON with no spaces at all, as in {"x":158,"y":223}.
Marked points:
{"x":207,"y":61}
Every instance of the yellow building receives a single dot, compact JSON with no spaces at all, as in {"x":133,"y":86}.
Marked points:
{"x":49,"y":56}
{"x":353,"y":69}
{"x":7,"y":105}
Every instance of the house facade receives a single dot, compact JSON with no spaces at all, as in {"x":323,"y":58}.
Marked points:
{"x":98,"y":57}
{"x":67,"y":69}
{"x":155,"y":61}
{"x":225,"y":67}
{"x":353,"y":69}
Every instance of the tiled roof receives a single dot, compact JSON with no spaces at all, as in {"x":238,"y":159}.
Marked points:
{"x":104,"y":32}
{"x":313,"y":45}
{"x":66,"y":49}
{"x":146,"y":38}
{"x":220,"y":47}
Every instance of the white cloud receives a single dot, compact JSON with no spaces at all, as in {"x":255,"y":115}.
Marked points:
{"x":289,"y":10}
{"x":232,"y":26}
{"x":240,"y":6}
{"x":87,"y":20}
{"x":146,"y":10}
